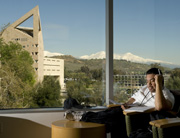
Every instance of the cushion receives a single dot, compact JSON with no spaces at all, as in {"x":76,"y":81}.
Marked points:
{"x":176,"y":94}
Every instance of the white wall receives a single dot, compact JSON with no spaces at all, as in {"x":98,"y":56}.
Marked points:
{"x":27,"y":124}
{"x":42,"y":118}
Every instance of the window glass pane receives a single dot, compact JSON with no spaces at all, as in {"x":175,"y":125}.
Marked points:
{"x":57,"y":50}
{"x":146,"y":34}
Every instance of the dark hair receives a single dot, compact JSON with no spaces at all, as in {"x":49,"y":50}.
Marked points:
{"x":154,"y":71}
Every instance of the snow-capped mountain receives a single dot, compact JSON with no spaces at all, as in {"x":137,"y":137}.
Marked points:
{"x":134,"y":58}
{"x":99,"y":55}
{"x":127,"y":56}
{"x":49,"y":54}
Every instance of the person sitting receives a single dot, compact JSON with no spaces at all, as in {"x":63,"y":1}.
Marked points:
{"x":153,"y":94}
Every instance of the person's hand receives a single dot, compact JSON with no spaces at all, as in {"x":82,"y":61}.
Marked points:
{"x":125,"y":106}
{"x":128,"y":103}
{"x":158,"y":79}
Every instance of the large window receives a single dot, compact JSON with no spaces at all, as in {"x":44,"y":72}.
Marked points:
{"x":71,"y":35}
{"x":146,"y":34}
{"x":59,"y":50}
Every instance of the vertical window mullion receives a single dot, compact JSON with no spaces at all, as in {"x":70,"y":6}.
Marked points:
{"x":109,"y":50}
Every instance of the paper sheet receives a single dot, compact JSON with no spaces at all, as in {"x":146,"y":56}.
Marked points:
{"x":138,"y":109}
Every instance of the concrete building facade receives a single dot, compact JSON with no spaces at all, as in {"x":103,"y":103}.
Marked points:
{"x":31,"y":40}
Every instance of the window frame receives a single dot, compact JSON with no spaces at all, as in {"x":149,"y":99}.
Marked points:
{"x":109,"y":50}
{"x":109,"y":66}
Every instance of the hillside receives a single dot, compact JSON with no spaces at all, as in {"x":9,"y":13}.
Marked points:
{"x":129,"y":67}
{"x":72,"y":63}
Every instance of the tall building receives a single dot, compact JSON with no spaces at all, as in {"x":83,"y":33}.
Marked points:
{"x":31,"y":39}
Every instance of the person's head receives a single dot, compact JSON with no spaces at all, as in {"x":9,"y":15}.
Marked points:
{"x":150,"y":74}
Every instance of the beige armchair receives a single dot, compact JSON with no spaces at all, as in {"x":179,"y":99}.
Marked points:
{"x":164,"y":128}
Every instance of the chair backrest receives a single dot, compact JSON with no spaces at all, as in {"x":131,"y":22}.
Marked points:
{"x":176,"y":107}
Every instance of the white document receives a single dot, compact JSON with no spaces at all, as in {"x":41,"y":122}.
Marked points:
{"x":138,"y":109}
{"x":112,"y":101}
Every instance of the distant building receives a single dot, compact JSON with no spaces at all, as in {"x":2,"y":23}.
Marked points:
{"x":130,"y":81}
{"x":54,"y":67}
{"x":31,"y":40}
{"x":134,"y":81}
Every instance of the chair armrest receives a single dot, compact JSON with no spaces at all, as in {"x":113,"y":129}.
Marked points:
{"x":164,"y":123}
{"x":134,"y":113}
{"x":131,"y":113}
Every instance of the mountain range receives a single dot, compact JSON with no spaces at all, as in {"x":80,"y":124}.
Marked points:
{"x":127,"y":56}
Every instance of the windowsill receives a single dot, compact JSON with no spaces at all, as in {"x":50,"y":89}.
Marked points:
{"x":41,"y":110}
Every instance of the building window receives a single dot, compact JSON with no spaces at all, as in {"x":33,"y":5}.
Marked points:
{"x":17,"y":39}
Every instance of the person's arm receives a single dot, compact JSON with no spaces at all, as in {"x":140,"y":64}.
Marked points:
{"x":126,"y":105}
{"x":160,"y":102}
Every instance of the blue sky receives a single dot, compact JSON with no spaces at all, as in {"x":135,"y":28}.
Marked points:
{"x":147,"y":28}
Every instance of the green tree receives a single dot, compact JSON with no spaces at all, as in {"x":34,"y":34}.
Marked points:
{"x":76,"y":90}
{"x":13,"y":92}
{"x":19,"y":61}
{"x":173,"y":83}
{"x":174,"y":80}
{"x":85,"y":90}
{"x":175,"y":73}
{"x":79,"y":88}
{"x":85,"y":69}
{"x":47,"y":93}
{"x":17,"y":76}
{"x":66,"y":73}
{"x":98,"y":94}
{"x":97,"y":74}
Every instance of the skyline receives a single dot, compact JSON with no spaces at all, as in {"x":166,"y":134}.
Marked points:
{"x":142,"y":28}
